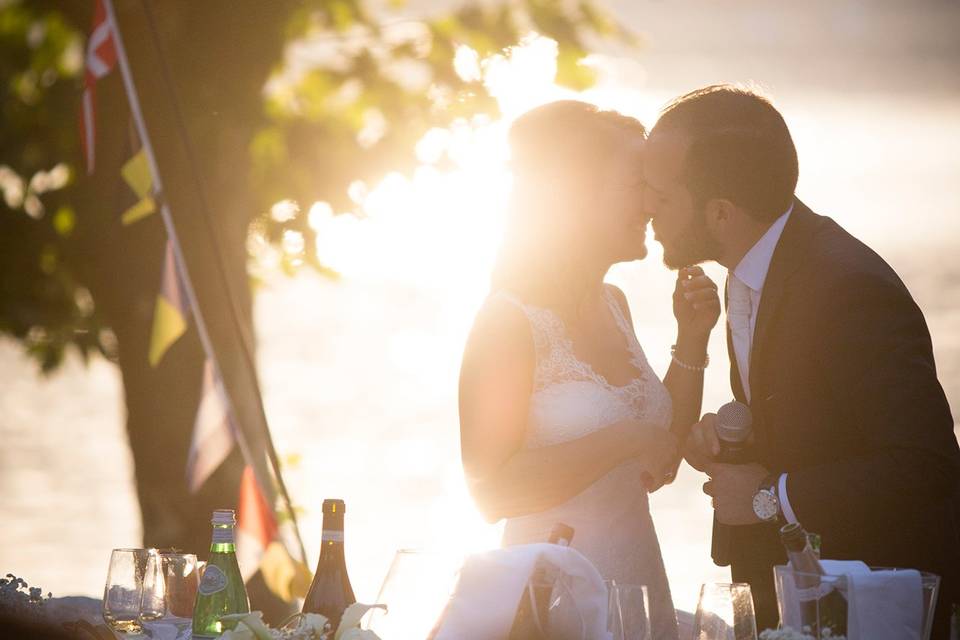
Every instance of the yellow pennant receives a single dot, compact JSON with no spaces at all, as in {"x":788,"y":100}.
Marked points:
{"x":285,"y":577}
{"x":136,"y":173}
{"x":168,"y":325}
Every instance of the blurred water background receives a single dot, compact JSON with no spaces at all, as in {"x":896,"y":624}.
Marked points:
{"x":360,"y":376}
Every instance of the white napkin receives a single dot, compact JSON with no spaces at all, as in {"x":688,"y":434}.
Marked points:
{"x":885,"y":605}
{"x":790,"y":598}
{"x":484,"y":604}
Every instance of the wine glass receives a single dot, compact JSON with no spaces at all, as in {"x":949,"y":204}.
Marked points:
{"x":123,"y":590}
{"x":725,"y":612}
{"x":170,"y":585}
{"x":416,"y":589}
{"x":628,"y":611}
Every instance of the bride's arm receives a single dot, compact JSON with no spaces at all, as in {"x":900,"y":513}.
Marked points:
{"x":496,"y":381}
{"x":696,"y":306}
{"x":696,"y":316}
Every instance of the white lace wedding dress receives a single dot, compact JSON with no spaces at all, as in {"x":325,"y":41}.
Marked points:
{"x":611,"y":517}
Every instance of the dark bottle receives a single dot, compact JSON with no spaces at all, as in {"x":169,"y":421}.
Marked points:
{"x":330,"y":592}
{"x":528,"y":625}
{"x":820,"y":607}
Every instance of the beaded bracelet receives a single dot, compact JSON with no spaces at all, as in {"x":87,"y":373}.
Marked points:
{"x":689,"y":367}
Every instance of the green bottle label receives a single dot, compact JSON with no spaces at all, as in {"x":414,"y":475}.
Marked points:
{"x":213,"y":581}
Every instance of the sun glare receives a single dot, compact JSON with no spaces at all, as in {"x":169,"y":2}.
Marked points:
{"x":432,"y":236}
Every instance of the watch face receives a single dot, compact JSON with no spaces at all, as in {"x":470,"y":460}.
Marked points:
{"x":765,"y":505}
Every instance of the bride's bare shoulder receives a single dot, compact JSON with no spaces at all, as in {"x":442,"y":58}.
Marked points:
{"x":501,"y":319}
{"x":500,"y":336}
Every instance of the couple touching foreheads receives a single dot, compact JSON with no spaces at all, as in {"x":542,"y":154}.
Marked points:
{"x":563,"y":420}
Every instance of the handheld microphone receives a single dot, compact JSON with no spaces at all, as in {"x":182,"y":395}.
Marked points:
{"x":733,"y":427}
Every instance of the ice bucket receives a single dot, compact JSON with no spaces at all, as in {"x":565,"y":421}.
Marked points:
{"x":817,"y":605}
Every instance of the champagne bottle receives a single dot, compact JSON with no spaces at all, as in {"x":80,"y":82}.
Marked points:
{"x":827,"y":610}
{"x":330,"y":592}
{"x":221,"y":590}
{"x":525,"y":624}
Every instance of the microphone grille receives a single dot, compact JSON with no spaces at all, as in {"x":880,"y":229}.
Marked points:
{"x":734,"y":422}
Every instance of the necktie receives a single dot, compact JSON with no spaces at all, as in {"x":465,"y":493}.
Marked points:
{"x":739,"y":314}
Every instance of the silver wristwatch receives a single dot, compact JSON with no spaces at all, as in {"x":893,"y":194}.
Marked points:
{"x":766,"y":505}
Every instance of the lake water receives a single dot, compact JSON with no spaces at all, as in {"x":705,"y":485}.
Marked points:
{"x":360,"y":376}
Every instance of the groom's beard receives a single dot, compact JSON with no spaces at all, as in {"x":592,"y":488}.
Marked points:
{"x":693,"y":246}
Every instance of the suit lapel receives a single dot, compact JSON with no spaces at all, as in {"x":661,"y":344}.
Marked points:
{"x":787,"y":258}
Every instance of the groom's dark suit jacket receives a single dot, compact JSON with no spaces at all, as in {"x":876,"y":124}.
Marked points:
{"x":846,"y":400}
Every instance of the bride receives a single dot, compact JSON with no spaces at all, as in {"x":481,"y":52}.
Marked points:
{"x":561,"y":417}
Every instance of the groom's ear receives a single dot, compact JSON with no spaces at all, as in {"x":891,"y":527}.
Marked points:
{"x":718,"y":214}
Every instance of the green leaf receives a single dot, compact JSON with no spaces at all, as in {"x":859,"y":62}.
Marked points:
{"x":64,"y":220}
{"x":571,"y":72}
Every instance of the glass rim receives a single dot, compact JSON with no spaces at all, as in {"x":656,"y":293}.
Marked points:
{"x":924,"y":575}
{"x":133,"y":549}
{"x":626,"y":585}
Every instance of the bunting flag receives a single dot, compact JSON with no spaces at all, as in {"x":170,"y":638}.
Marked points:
{"x":170,"y":313}
{"x":260,"y":540}
{"x":212,"y":431}
{"x":261,"y":546}
{"x":136,"y":173}
{"x":265,"y":535}
{"x":101,"y":58}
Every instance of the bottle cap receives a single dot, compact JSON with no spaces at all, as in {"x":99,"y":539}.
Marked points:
{"x":224,"y":517}
{"x":561,"y":534}
{"x":332,"y":505}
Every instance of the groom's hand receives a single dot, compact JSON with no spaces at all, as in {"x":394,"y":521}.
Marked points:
{"x":702,"y":445}
{"x":732,"y":487}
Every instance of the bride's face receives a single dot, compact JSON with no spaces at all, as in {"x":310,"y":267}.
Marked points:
{"x":619,"y":221}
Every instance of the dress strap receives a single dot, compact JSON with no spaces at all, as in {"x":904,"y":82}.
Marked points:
{"x":542,"y":323}
{"x":617,"y":311}
{"x":511,"y":298}
{"x":639,"y":358}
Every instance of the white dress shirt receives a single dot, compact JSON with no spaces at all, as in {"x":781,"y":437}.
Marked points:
{"x":744,"y":291}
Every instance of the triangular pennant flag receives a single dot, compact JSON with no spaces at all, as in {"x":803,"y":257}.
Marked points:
{"x":136,"y":173}
{"x":260,"y":544}
{"x":170,"y":314}
{"x":101,"y":58}
{"x":212,"y":431}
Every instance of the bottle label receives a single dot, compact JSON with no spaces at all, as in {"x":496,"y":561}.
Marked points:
{"x":213,"y":580}
{"x":330,"y":535}
{"x":223,"y":535}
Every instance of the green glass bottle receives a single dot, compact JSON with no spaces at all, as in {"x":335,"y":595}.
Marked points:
{"x":221,"y":589}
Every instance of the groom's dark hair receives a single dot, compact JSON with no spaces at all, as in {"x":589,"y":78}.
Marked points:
{"x":740,"y":149}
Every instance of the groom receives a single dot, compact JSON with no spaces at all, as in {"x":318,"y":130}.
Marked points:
{"x":852,"y":434}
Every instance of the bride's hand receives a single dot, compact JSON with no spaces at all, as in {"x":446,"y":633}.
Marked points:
{"x":696,"y":303}
{"x":659,"y":451}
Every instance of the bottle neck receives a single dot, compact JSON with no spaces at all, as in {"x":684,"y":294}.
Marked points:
{"x":223,"y":539}
{"x":331,"y":542}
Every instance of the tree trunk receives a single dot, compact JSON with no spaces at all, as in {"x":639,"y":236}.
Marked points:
{"x":218,"y":55}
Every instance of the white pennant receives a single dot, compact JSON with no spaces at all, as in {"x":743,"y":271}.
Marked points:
{"x":212,"y":432}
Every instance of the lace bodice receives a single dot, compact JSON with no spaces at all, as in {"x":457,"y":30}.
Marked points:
{"x":563,"y":382}
{"x":611,"y":517}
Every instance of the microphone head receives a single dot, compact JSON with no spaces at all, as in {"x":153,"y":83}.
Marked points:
{"x":734,"y":422}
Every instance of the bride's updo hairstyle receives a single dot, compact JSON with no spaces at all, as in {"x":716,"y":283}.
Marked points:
{"x":559,"y":155}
